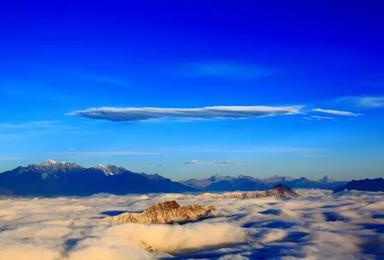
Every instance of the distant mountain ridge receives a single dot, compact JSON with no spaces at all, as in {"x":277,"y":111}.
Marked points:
{"x":64,"y":178}
{"x":53,"y":178}
{"x":363,"y":185}
{"x":247,"y":183}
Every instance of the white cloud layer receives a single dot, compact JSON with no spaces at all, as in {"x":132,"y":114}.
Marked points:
{"x":214,"y":112}
{"x":317,"y":225}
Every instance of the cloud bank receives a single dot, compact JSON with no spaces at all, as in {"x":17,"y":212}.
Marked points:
{"x":317,"y":225}
{"x":130,"y":114}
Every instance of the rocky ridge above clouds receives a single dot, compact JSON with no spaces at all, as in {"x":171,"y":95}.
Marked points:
{"x":171,"y":212}
{"x":166,"y":213}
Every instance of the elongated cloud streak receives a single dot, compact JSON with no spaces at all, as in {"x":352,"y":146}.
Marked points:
{"x":335,"y":112}
{"x":192,"y":162}
{"x":224,"y":162}
{"x":318,"y":118}
{"x":214,"y":112}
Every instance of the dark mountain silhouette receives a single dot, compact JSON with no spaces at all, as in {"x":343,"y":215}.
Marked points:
{"x":55,"y":178}
{"x":247,"y":183}
{"x":363,"y":185}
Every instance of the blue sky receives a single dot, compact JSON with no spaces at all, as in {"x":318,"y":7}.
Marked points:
{"x":195,"y":88}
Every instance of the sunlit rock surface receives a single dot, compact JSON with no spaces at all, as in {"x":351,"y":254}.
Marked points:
{"x":165,"y":213}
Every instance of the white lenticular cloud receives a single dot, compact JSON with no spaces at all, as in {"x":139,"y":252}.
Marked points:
{"x":213,"y":112}
{"x":335,"y":112}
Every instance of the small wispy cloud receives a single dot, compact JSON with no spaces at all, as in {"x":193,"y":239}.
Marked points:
{"x":209,"y":162}
{"x":213,"y":112}
{"x":224,"y":70}
{"x":192,"y":162}
{"x":371,"y":101}
{"x":224,"y":162}
{"x":335,"y":112}
{"x":364,"y":101}
{"x":319,"y":118}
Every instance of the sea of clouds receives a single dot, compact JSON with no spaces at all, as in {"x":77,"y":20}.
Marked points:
{"x":318,"y":225}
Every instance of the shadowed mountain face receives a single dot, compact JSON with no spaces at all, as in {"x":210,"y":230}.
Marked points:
{"x":363,"y":185}
{"x":247,"y":183}
{"x":52,"y":179}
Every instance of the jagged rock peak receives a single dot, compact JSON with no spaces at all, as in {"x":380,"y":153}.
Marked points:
{"x":166,"y":213}
{"x":281,"y":191}
{"x":55,"y":164}
{"x":50,"y":162}
{"x":106,"y":169}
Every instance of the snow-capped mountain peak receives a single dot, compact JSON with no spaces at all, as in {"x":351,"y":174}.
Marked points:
{"x":66,"y":178}
{"x":50,"y":162}
{"x":106,"y":169}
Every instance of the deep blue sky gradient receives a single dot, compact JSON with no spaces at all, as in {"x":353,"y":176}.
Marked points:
{"x":57,"y":57}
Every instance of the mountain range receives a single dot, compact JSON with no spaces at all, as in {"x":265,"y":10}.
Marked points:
{"x":363,"y":185}
{"x":63,"y":178}
{"x":53,"y":178}
{"x":247,"y":183}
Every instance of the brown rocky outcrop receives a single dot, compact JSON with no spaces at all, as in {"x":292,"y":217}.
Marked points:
{"x":166,"y":213}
